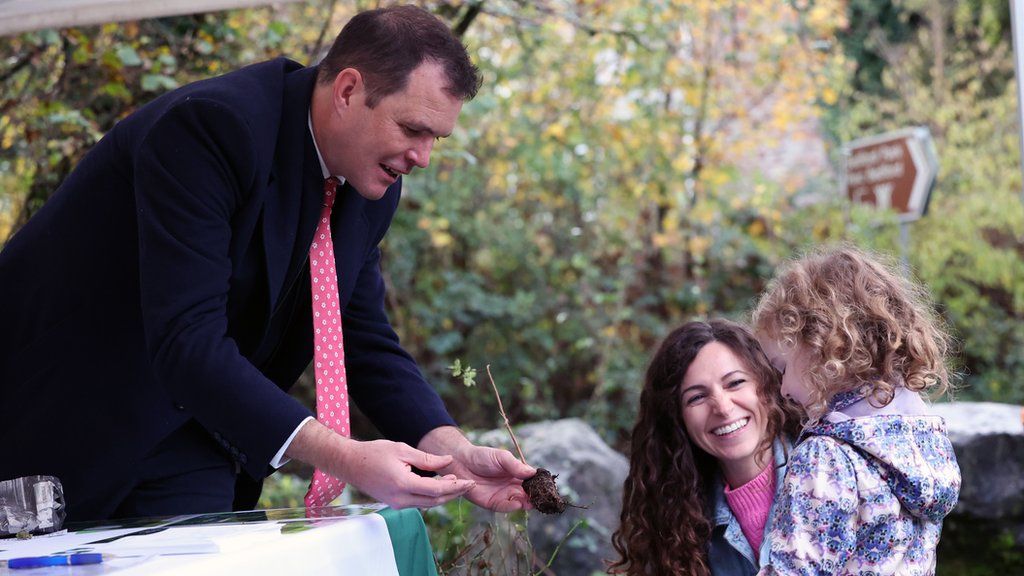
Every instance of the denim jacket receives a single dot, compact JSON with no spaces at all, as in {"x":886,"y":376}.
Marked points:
{"x":729,"y":553}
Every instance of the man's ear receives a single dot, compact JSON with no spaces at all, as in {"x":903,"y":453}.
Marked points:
{"x":348,"y":87}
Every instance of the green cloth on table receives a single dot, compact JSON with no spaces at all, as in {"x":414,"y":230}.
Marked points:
{"x":410,"y":542}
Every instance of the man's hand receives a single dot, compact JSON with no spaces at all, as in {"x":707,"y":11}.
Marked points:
{"x":383,"y":470}
{"x":497,"y":474}
{"x":380,"y":468}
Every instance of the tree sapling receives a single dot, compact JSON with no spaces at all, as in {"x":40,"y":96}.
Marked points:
{"x":540,"y":488}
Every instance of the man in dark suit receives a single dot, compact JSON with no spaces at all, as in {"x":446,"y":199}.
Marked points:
{"x":157,"y":309}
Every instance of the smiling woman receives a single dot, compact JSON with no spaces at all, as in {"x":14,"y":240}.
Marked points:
{"x":723,"y":414}
{"x":708,"y":450}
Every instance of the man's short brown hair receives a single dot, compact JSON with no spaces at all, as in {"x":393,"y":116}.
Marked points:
{"x":387,"y":44}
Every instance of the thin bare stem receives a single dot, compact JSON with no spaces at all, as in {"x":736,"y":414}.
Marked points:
{"x":546,"y":569}
{"x":501,"y":409}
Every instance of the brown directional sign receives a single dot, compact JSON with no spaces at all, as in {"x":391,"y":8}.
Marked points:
{"x":893,"y":171}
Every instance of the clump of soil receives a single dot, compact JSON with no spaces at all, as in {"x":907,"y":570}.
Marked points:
{"x":540,"y":488}
{"x":543,"y":493}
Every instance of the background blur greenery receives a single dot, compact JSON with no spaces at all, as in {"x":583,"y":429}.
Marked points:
{"x":610,"y":181}
{"x":604,"y":186}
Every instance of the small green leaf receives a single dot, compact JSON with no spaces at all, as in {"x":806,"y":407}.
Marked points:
{"x":128,"y":56}
{"x":117,"y":90}
{"x":466,"y":373}
{"x":456,"y":368}
{"x":158,"y":82}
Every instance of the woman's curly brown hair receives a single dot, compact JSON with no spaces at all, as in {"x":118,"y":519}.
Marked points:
{"x":666,"y":517}
{"x":860,"y":322}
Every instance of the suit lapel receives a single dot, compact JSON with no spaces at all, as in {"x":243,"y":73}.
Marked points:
{"x":292,"y":206}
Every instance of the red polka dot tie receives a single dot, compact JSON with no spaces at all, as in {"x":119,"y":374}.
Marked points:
{"x":329,"y":352}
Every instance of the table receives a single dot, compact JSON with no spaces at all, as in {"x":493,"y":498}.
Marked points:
{"x":354,"y":539}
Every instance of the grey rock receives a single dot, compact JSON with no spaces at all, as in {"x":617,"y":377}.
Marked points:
{"x":590,"y":473}
{"x":988,"y":522}
{"x":988,"y":439}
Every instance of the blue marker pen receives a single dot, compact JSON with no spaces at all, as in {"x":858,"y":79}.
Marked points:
{"x":43,"y":561}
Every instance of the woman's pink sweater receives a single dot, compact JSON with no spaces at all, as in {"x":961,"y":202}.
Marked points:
{"x":751,"y":503}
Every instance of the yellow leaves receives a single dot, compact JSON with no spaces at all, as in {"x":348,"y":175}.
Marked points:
{"x":7,"y":216}
{"x":441,"y":239}
{"x":7,"y":135}
{"x":484,"y":259}
{"x":555,"y":131}
{"x":704,"y":213}
{"x":544,"y":245}
{"x":825,"y":16}
{"x":670,"y":222}
{"x":670,"y":234}
{"x":437,"y":230}
{"x":682,"y":163}
{"x":498,"y":182}
{"x":780,"y":38}
{"x":692,"y":98}
{"x":534,"y":95}
{"x":638,"y":189}
{"x":698,"y":245}
{"x":715,"y":178}
{"x":673,"y":68}
{"x":829,"y":96}
{"x":821,"y":231}
{"x":756,"y":228}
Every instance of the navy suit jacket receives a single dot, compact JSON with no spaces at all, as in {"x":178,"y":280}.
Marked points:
{"x":167,"y":279}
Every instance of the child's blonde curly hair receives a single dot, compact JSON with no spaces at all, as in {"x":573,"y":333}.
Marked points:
{"x":860,"y":322}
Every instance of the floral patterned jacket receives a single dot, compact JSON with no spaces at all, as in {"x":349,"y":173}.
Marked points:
{"x":865,"y":495}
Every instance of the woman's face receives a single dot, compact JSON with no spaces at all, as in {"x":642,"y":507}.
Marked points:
{"x":792,"y":362}
{"x":723,"y":414}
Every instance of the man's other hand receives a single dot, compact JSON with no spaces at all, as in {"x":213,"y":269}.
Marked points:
{"x":380,"y":468}
{"x":497,"y":474}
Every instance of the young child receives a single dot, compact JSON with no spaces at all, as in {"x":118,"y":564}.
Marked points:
{"x":873,"y":474}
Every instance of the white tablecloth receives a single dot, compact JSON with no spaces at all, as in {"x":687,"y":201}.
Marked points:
{"x":350,"y":540}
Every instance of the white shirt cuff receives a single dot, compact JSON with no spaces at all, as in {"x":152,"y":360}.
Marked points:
{"x":279,"y":458}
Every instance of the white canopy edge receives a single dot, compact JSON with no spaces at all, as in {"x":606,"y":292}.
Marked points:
{"x":24,"y":15}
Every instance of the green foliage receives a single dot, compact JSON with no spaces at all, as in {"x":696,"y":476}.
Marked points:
{"x":63,"y":89}
{"x":452,"y":535}
{"x":465,"y":543}
{"x":467,"y":374}
{"x":952,"y":70}
{"x":282,"y":490}
{"x":979,"y":548}
{"x":590,"y":199}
